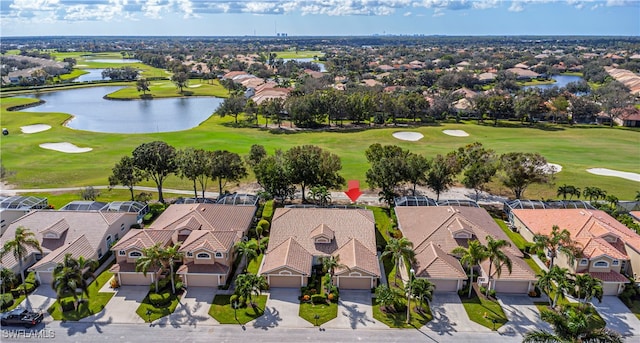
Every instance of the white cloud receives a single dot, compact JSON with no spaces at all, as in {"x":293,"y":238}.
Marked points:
{"x":516,"y":7}
{"x":407,"y":14}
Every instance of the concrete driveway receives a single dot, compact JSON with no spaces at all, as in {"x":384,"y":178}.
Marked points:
{"x":522,"y":314}
{"x":193,"y":309}
{"x":281,"y":310}
{"x":355,"y":311}
{"x":41,"y":299}
{"x":122,"y":306}
{"x":618,"y":316}
{"x":449,"y":316}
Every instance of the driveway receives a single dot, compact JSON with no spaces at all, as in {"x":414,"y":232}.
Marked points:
{"x":618,"y":316}
{"x":41,"y":299}
{"x":122,"y":306}
{"x":355,"y":312}
{"x":193,"y":309}
{"x":449,"y":316}
{"x":522,"y":314}
{"x":281,"y":310}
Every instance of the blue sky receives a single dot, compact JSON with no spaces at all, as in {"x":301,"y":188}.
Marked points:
{"x":318,"y":17}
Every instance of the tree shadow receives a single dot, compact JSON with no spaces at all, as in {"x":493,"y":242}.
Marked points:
{"x":441,"y":324}
{"x":269,"y":319}
{"x":82,"y":327}
{"x":356,"y":316}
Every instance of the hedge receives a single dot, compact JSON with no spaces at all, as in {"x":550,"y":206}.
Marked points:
{"x":267,"y":211}
{"x":160,"y":299}
{"x":318,"y":299}
{"x":6,"y":300}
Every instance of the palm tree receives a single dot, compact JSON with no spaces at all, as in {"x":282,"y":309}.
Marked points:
{"x":23,"y":241}
{"x":262,"y":243}
{"x":571,"y":327}
{"x":422,"y":289}
{"x":387,"y":298}
{"x":248,"y":250}
{"x":593,"y":193}
{"x":150,"y":261}
{"x":471,"y":256}
{"x":329,"y":265}
{"x":7,"y":278}
{"x":249,"y":284}
{"x":321,"y":195}
{"x":66,"y":280}
{"x":170,"y":255}
{"x":560,"y":276}
{"x":557,"y":242}
{"x":588,"y":287}
{"x":545,"y":282}
{"x":401,"y":250}
{"x":497,"y":257}
{"x":86,"y":266}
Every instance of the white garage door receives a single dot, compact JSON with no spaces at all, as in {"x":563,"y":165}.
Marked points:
{"x":355,"y":283}
{"x":609,"y":288}
{"x":285,"y":281}
{"x":45,"y":278}
{"x":445,"y":285}
{"x":513,"y":287}
{"x":135,"y":279}
{"x":202,"y":280}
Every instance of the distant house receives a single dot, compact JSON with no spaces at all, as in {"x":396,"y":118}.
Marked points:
{"x":14,"y":207}
{"x":608,"y":248}
{"x":523,"y":74}
{"x":301,"y":237}
{"x":436,"y":230}
{"x":630,"y":117}
{"x":83,"y":233}
{"x":487,"y":77}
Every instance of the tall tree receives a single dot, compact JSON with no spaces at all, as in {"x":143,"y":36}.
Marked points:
{"x":232,"y":106}
{"x":169,"y":256}
{"x":613,"y":96}
{"x":180,"y":79}
{"x":421,"y":289}
{"x":309,"y":165}
{"x":248,"y":285}
{"x":563,"y":283}
{"x":401,"y":252}
{"x":588,"y":287}
{"x":226,"y":166}
{"x":497,"y":258}
{"x":7,"y":279}
{"x":142,"y":85}
{"x":594,"y":193}
{"x":471,"y":257}
{"x":66,"y":279}
{"x":388,"y":169}
{"x":570,"y":190}
{"x":479,"y":165}
{"x":24,"y":241}
{"x":523,"y":169}
{"x":558,"y":241}
{"x":572,"y":326}
{"x":257,"y":152}
{"x":125,"y":173}
{"x":158,"y":160}
{"x":417,"y":167}
{"x":194,"y":164}
{"x":272,"y":174}
{"x":545,"y":282}
{"x":150,"y":261}
{"x":441,"y":173}
{"x":329,"y":265}
{"x":247,"y":250}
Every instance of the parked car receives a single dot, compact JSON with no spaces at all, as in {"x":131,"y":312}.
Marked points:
{"x":20,"y":316}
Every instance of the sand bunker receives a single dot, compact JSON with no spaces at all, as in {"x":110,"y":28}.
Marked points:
{"x":455,"y":133}
{"x":195,"y":86}
{"x":64,"y":147}
{"x":552,"y":168}
{"x":616,"y":173}
{"x":408,"y":136}
{"x":35,"y":128}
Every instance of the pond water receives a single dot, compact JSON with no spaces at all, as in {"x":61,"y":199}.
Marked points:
{"x":321,"y":65}
{"x":93,"y":75}
{"x":114,"y":60}
{"x":561,"y":81}
{"x":93,"y":113}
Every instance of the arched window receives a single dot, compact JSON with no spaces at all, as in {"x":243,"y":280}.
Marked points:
{"x":601,"y":264}
{"x":203,"y":255}
{"x":135,"y":254}
{"x":218,"y":255}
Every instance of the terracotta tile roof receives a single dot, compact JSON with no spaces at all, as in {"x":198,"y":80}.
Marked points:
{"x":123,"y":267}
{"x":79,"y":247}
{"x":213,"y":217}
{"x":580,"y":223}
{"x":609,"y":276}
{"x":594,"y":247}
{"x":192,"y":268}
{"x":322,"y":231}
{"x":288,"y":254}
{"x":433,"y":262}
{"x":144,"y":238}
{"x":213,"y":241}
{"x":355,"y":255}
{"x":520,"y":270}
{"x":57,"y":228}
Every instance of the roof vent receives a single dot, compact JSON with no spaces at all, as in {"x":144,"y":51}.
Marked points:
{"x":203,"y":209}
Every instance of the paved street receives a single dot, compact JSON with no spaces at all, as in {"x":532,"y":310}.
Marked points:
{"x":354,"y":312}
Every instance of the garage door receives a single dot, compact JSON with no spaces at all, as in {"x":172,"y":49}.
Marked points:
{"x":609,"y":288}
{"x":284,"y":281}
{"x":202,"y":280}
{"x":135,"y":279}
{"x":514,"y":287}
{"x":354,"y":282}
{"x":445,"y":285}
{"x":45,"y":278}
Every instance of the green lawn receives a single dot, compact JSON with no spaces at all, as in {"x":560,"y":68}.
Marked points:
{"x":399,"y":319}
{"x":483,"y":311}
{"x":16,"y":302}
{"x":167,"y":89}
{"x":515,"y":237}
{"x":536,"y":268}
{"x":576,"y":149}
{"x":254,"y":264}
{"x":383,"y":224}
{"x":635,"y":308}
{"x":156,"y":312}
{"x":298,"y":54}
{"x":325,"y":312}
{"x":73,"y":74}
{"x":222,"y":311}
{"x":95,"y":304}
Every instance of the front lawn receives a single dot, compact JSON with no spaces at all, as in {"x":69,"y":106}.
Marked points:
{"x":515,"y":237}
{"x":95,"y":303}
{"x":222,"y":311}
{"x":484,"y":311}
{"x":157,"y":312}
{"x":325,"y":312}
{"x":399,"y":319}
{"x":383,"y":224}
{"x":254,"y":264}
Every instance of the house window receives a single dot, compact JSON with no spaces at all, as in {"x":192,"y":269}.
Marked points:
{"x":584,"y":262}
{"x":601,"y":264}
{"x":121,"y":253}
{"x":189,"y":254}
{"x":203,"y":255}
{"x":615,"y":262}
{"x":218,"y":254}
{"x":122,"y":227}
{"x":117,"y":237}
{"x":100,"y":253}
{"x":135,"y":254}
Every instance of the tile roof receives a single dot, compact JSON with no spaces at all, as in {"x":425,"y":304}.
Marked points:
{"x":433,"y":262}
{"x":79,"y":247}
{"x":355,"y":255}
{"x":213,"y":241}
{"x":144,"y":238}
{"x":520,"y":270}
{"x":206,"y":217}
{"x":288,"y":254}
{"x":57,"y":228}
{"x":322,"y":230}
{"x":609,"y":276}
{"x":594,"y":247}
{"x":192,"y":268}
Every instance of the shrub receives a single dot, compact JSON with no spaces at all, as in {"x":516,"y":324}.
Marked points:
{"x":318,"y":299}
{"x":264,"y":224}
{"x":114,"y":283}
{"x":306,"y":297}
{"x":6,"y":300}
{"x":179,"y":285}
{"x":267,"y":211}
{"x":67,"y":304}
{"x":160,"y":299}
{"x":333,"y":297}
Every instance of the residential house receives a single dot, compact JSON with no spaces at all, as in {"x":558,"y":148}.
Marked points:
{"x":608,"y":248}
{"x":300,"y":237}
{"x":83,"y":233}
{"x":14,"y":207}
{"x":436,"y":230}
{"x":131,"y":247}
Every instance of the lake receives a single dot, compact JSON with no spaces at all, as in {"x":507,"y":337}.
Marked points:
{"x":93,"y":75}
{"x":321,"y":65}
{"x":561,"y":81}
{"x":93,"y":113}
{"x":113,"y":60}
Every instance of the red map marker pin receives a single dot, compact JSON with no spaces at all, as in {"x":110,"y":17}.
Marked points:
{"x":354,"y":190}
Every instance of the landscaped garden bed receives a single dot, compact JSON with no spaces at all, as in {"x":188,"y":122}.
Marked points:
{"x":484,"y":311}
{"x":93,"y":303}
{"x":222,"y":311}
